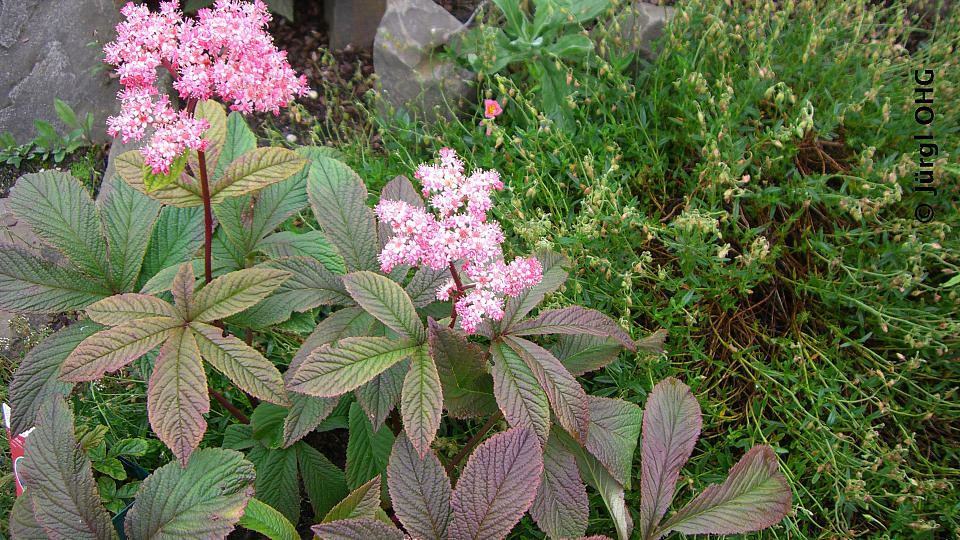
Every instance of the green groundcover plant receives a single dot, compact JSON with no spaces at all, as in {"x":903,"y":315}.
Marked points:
{"x":430,"y":317}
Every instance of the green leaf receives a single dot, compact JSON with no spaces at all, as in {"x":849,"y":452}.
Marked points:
{"x":128,"y":218}
{"x":234,"y":292}
{"x":183,"y":192}
{"x":203,"y":501}
{"x":671,"y":426}
{"x":255,"y":170}
{"x":265,"y":520}
{"x":238,"y":140}
{"x":325,"y":484}
{"x":29,"y":284}
{"x":334,"y":369}
{"x":561,"y":508}
{"x":570,"y":46}
{"x":176,"y":236}
{"x":242,"y":364}
{"x":362,"y":502}
{"x":519,"y":395}
{"x":421,"y":401}
{"x":111,"y":467}
{"x":163,"y":281}
{"x":215,"y":114}
{"x":582,"y":353}
{"x":423,"y":286}
{"x":387,"y":301}
{"x":367,"y":452}
{"x":238,"y":437}
{"x":124,"y":308}
{"x":573,"y":320}
{"x":358,"y":528}
{"x":277,"y":483}
{"x":566,"y":396}
{"x":182,"y":287}
{"x":152,"y":181}
{"x":177,"y":395}
{"x":116,"y":347}
{"x":379,"y":396}
{"x":23,"y":526}
{"x":338,"y":197}
{"x":62,"y":214}
{"x":65,"y":499}
{"x":35,"y":380}
{"x":47,"y":132}
{"x":267,"y":422}
{"x":612,"y":438}
{"x":309,"y":244}
{"x":515,"y":308}
{"x":755,"y":496}
{"x":65,"y":112}
{"x":420,"y":491}
{"x":467,"y":387}
{"x":128,"y":447}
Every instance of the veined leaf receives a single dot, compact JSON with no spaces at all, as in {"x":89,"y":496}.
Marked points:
{"x":338,"y":198}
{"x":264,"y":519}
{"x":755,"y":496}
{"x":184,"y":192}
{"x":66,"y":502}
{"x":325,"y":484}
{"x":267,"y":425}
{"x":516,"y":308}
{"x":309,"y":244}
{"x":177,"y":395}
{"x":573,"y":320}
{"x":176,"y":236}
{"x":367,"y":451}
{"x":23,"y":526}
{"x":519,"y":395}
{"x":306,"y":413}
{"x":116,"y":347}
{"x":560,"y":507}
{"x":567,"y":398}
{"x":241,"y":363}
{"x":401,"y":189}
{"x":422,"y":401}
{"x":467,"y":387}
{"x":182,"y":287}
{"x":124,"y":308}
{"x":215,"y":114}
{"x":360,"y":503}
{"x":255,"y":170}
{"x":163,"y":280}
{"x":203,"y":501}
{"x":388,"y":302}
{"x":380,"y":394}
{"x":29,"y":284}
{"x":582,"y":353}
{"x":654,"y":342}
{"x":235,"y":292}
{"x":359,"y":528}
{"x":62,"y":214}
{"x":238,"y":139}
{"x":332,"y":370}
{"x":153,"y":181}
{"x":612,"y":439}
{"x":423,"y":286}
{"x":497,"y":486}
{"x":36,"y":377}
{"x":128,"y":218}
{"x":238,"y":437}
{"x":671,"y":425}
{"x":420,"y":491}
{"x":277,"y":483}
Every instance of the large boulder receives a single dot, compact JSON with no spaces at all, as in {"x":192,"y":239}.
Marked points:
{"x":44,"y":54}
{"x":405,"y":57}
{"x":640,"y":24}
{"x":353,"y":22}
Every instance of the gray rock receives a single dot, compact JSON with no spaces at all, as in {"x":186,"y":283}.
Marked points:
{"x":44,"y":55}
{"x":353,"y":22}
{"x":640,"y":25}
{"x":410,"y":35}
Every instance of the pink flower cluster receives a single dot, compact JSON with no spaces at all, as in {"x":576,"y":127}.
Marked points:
{"x":225,"y":52}
{"x":459,"y":231}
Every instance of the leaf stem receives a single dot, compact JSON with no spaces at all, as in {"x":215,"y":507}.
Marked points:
{"x":474,"y":441}
{"x":228,"y":406}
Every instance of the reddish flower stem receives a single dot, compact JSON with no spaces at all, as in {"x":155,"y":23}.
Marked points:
{"x":218,"y":397}
{"x":473,"y":442}
{"x":207,"y":219}
{"x":456,"y":295}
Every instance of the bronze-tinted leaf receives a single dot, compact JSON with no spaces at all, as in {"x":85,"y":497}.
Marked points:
{"x":177,"y":395}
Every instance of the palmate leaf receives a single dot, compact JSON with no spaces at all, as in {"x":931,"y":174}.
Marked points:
{"x":573,"y":320}
{"x":367,"y":451}
{"x":519,"y":395}
{"x":182,"y":288}
{"x":421,"y":401}
{"x":420,"y":491}
{"x":264,"y":519}
{"x":65,"y":499}
{"x":612,"y":438}
{"x":353,"y":529}
{"x":176,"y":236}
{"x":387,"y":301}
{"x":277,"y":483}
{"x":324,"y":483}
{"x":467,"y":387}
{"x":671,"y":425}
{"x":177,"y":395}
{"x":255,"y":170}
{"x":36,"y":378}
{"x":241,"y":363}
{"x":516,"y":308}
{"x":29,"y":284}
{"x":334,"y":369}
{"x":203,"y":501}
{"x":128,"y":219}
{"x":560,"y":507}
{"x":497,"y":486}
{"x":116,"y":347}
{"x":566,"y":396}
{"x":183,"y":192}
{"x":362,"y":502}
{"x":234,"y":292}
{"x":124,"y":308}
{"x":62,"y":214}
{"x":309,"y":244}
{"x":380,"y":395}
{"x":338,"y":198}
{"x":755,"y":496}
{"x":423,"y":286}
